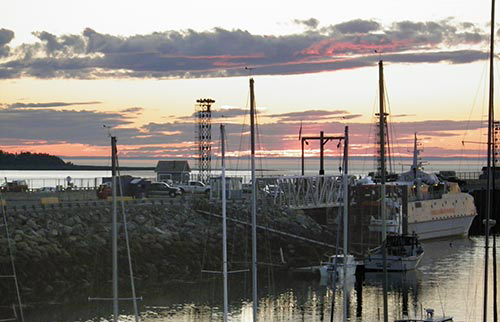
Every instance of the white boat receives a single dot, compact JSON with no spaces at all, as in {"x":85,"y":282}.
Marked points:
{"x":433,"y":208}
{"x":336,"y":265}
{"x":436,"y":208}
{"x":403,"y":254}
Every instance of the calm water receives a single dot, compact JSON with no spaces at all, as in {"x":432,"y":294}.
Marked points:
{"x":283,"y":166}
{"x":449,"y":279}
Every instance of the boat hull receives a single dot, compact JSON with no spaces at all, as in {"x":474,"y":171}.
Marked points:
{"x":394,"y":263}
{"x":443,"y":228}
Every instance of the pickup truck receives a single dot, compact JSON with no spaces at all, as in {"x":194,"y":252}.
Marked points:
{"x":194,"y":187}
{"x":162,"y":189}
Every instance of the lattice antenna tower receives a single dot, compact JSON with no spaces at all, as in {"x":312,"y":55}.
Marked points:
{"x":203,"y":135}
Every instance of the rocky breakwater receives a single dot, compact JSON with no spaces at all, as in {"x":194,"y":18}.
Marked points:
{"x":63,"y":251}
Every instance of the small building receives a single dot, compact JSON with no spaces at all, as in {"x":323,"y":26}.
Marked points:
{"x":177,"y":171}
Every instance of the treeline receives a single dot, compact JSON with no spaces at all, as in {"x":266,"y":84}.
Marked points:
{"x":44,"y":161}
{"x":28,"y":160}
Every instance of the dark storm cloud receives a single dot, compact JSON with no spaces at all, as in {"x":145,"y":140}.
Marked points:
{"x":357,"y":26}
{"x":224,"y":53}
{"x":24,"y":126}
{"x":310,"y":23}
{"x":6,"y":36}
{"x":49,"y":104}
{"x":133,"y":110}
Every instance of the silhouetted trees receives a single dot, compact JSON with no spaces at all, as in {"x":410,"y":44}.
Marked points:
{"x":28,"y":160}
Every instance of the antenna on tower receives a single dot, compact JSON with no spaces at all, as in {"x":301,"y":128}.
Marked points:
{"x":203,"y":135}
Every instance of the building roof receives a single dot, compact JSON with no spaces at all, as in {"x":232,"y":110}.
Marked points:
{"x":173,"y":166}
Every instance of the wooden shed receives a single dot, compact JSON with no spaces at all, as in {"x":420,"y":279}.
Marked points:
{"x":177,"y":171}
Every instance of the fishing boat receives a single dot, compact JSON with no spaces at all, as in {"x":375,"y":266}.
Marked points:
{"x":403,"y":254}
{"x":398,"y":251}
{"x":434,"y":208}
{"x":422,"y":203}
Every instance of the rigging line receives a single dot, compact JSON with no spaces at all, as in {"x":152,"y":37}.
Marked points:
{"x":465,"y":133}
{"x":9,"y":246}
{"x":369,"y":137}
{"x":390,"y":130}
{"x":440,"y":297}
{"x":239,"y":154}
{"x":127,"y":243}
{"x":259,"y":141}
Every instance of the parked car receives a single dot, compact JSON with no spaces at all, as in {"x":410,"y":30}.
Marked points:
{"x":15,"y":186}
{"x":163,"y":189}
{"x":194,"y":187}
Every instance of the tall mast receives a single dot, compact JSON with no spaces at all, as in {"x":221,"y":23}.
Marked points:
{"x":488,"y":165}
{"x":415,"y":158}
{"x":254,"y":201}
{"x":382,"y":180}
{"x":114,"y":231}
{"x":224,"y":221}
{"x":345,"y":203}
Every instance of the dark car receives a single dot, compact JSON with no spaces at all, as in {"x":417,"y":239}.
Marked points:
{"x":15,"y":186}
{"x":163,"y":189}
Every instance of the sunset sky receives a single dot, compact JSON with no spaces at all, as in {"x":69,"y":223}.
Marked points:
{"x":67,"y":68}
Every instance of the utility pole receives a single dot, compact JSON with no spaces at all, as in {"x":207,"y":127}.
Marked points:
{"x":322,"y":141}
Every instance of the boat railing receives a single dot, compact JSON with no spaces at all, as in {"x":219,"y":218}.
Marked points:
{"x":428,"y":195}
{"x":468,"y":175}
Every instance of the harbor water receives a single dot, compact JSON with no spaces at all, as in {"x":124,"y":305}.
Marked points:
{"x":449,"y":280}
{"x":37,"y":179}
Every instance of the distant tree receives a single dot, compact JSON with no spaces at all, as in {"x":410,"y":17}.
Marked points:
{"x":26,"y":160}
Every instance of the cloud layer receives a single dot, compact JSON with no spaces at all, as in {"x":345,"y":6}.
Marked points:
{"x":220,"y":52}
{"x":57,"y":124}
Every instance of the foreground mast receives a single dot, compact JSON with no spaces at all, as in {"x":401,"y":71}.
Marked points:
{"x":114,"y":231}
{"x":224,"y":222}
{"x":382,"y":181}
{"x":254,"y":202}
{"x":488,"y":165}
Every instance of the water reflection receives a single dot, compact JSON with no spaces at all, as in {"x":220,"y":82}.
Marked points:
{"x":448,"y":280}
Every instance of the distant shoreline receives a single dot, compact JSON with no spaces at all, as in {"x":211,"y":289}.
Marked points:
{"x":74,"y":168}
{"x":98,"y":168}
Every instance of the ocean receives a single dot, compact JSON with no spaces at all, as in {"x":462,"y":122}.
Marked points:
{"x":237,"y":167}
{"x":449,"y":280}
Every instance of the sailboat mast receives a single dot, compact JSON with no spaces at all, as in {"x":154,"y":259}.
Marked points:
{"x":488,"y":165}
{"x":254,"y":201}
{"x":346,"y":193}
{"x":345,"y":210}
{"x":415,"y":157}
{"x":114,"y":231}
{"x":224,"y":221}
{"x":382,"y":180}
{"x":489,"y":170}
